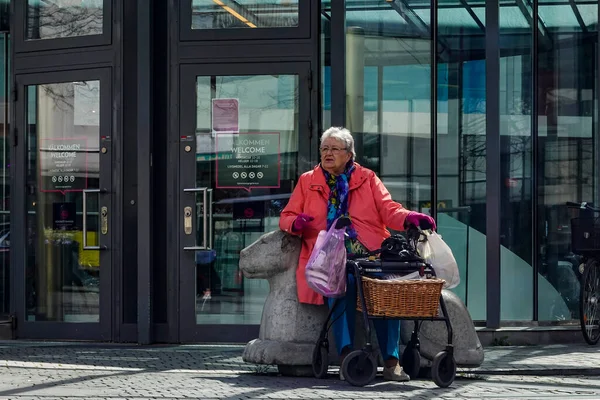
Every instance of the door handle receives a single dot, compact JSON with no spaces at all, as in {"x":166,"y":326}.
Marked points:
{"x":207,"y":220}
{"x":187,"y":220}
{"x":103,"y":220}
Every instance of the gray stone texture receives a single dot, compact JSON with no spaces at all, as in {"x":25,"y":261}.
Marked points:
{"x":288,"y":329}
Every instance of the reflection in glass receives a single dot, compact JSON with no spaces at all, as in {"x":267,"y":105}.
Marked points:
{"x":567,"y":68}
{"x":63,"y":131}
{"x":265,"y":108}
{"x":461,"y":125}
{"x":52,"y":19}
{"x":388,"y":97}
{"x":516,"y":156}
{"x":5,"y":16}
{"x":387,"y":57}
{"x":227,"y":14}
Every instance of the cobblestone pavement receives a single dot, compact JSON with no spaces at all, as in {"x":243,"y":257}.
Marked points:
{"x":98,"y":371}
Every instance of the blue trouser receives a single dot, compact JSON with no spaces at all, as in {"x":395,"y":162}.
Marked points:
{"x":344,"y":315}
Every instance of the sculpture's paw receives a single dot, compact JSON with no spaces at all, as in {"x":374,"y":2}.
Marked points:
{"x":273,"y":352}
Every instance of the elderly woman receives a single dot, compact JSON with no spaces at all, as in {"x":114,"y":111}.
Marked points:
{"x":336,"y":187}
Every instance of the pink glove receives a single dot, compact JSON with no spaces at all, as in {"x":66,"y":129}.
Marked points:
{"x":422,"y":221}
{"x":301,"y":222}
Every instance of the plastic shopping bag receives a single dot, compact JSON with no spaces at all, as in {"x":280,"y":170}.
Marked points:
{"x":326,"y":268}
{"x":437,"y":253}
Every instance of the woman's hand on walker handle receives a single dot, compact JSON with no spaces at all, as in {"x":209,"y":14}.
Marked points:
{"x":301,"y":222}
{"x":423,"y":221}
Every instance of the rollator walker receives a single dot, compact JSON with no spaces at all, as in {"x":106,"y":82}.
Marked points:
{"x":403,"y":299}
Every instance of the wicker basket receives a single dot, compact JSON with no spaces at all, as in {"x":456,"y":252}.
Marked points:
{"x":401,"y":298}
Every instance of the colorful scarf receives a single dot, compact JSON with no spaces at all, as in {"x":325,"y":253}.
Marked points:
{"x":337,"y":205}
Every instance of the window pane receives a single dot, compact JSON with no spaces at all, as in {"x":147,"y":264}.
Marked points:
{"x":587,"y":14}
{"x":559,"y":17}
{"x":461,"y":184}
{"x":51,"y":19}
{"x":227,"y":14}
{"x":63,"y":133}
{"x":245,"y":202}
{"x":516,"y":156}
{"x":388,"y":97}
{"x":567,"y":71}
{"x":5,"y":16}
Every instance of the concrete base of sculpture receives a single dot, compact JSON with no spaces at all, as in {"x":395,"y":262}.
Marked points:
{"x":289,"y":330}
{"x":433,"y":335}
{"x":292,"y":359}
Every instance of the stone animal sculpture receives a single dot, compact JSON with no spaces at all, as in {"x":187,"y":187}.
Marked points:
{"x":288,"y":329}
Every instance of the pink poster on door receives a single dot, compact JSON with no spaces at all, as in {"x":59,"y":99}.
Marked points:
{"x":225,"y":115}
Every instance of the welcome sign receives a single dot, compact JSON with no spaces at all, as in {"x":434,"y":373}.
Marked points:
{"x":250,"y":160}
{"x":63,"y":164}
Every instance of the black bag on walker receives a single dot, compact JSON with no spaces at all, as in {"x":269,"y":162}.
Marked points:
{"x":398,"y":248}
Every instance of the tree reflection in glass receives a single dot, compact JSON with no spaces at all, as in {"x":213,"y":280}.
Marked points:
{"x":52,"y":19}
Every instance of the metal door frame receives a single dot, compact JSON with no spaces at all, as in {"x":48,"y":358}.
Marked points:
{"x":61,"y":330}
{"x":189,"y":331}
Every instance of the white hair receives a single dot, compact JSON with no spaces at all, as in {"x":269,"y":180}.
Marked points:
{"x":343,"y":135}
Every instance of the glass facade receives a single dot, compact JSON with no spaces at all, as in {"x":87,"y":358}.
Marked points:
{"x":461,"y":145}
{"x":441,"y":120}
{"x":567,"y":144}
{"x":516,"y":157}
{"x":547,"y":94}
{"x":388,"y":97}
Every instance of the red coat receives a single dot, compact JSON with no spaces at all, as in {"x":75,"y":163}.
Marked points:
{"x":370,"y":206}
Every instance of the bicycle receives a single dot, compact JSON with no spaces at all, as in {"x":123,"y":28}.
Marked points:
{"x":585,"y":241}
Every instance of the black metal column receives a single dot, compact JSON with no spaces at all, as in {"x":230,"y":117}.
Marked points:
{"x":492,"y":94}
{"x":144,"y":167}
{"x":338,"y":62}
{"x":596,"y":117}
{"x":535,"y":258}
{"x":434,"y":96}
{"x":18,"y":192}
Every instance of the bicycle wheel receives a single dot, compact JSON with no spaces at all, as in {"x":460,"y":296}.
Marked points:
{"x":588,"y":303}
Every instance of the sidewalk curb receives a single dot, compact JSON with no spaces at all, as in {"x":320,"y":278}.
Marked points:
{"x":537,"y":372}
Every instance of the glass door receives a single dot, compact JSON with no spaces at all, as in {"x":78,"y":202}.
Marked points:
{"x":244,"y":141}
{"x":63,"y":225}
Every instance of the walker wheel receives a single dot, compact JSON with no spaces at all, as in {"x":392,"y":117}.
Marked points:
{"x":359,"y":368}
{"x":443,"y":369}
{"x":411,"y":361}
{"x":320,"y":360}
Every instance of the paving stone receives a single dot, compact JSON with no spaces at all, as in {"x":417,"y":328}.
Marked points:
{"x":99,"y":371}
